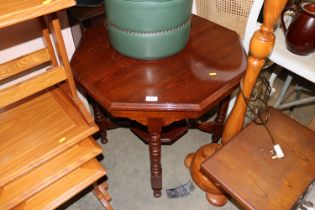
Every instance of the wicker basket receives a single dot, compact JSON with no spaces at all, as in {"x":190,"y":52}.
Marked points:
{"x":148,"y":29}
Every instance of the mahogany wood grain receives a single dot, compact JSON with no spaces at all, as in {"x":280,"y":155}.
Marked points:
{"x":120,"y":83}
{"x":100,"y":119}
{"x":245,"y":169}
{"x":169,"y":134}
{"x":312,"y":124}
{"x":220,"y":120}
{"x":15,"y":11}
{"x":155,"y":127}
{"x":215,"y":127}
{"x":182,"y":83}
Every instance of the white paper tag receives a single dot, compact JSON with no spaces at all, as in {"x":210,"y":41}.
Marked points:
{"x":151,"y":98}
{"x":278,"y":151}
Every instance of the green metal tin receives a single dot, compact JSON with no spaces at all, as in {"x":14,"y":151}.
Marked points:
{"x":148,"y":29}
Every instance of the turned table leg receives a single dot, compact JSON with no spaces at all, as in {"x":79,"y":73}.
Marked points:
{"x":100,"y":121}
{"x":103,"y":123}
{"x":220,"y":119}
{"x":155,"y":127}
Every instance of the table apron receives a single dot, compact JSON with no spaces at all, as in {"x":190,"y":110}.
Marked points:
{"x":167,"y":117}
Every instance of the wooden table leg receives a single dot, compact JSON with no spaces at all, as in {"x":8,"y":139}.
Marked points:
{"x":215,"y":127}
{"x":154,"y":128}
{"x":102,"y":122}
{"x":99,"y":120}
{"x":100,"y":190}
{"x":220,"y":119}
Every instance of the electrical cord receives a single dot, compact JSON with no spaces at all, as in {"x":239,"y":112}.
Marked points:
{"x":257,"y":103}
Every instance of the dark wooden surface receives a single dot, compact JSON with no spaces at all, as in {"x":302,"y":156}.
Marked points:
{"x":244,"y":168}
{"x":85,"y":13}
{"x":181,"y":82}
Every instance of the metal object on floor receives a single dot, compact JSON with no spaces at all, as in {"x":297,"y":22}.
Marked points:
{"x":285,"y":91}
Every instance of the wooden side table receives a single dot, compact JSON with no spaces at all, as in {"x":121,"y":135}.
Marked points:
{"x":245,"y":169}
{"x":161,"y":92}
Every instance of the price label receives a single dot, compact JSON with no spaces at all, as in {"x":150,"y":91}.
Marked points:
{"x":151,"y":98}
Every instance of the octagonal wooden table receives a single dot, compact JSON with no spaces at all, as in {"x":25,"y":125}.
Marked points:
{"x":158,"y":93}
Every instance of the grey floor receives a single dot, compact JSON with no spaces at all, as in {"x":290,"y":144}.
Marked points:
{"x":126,"y":159}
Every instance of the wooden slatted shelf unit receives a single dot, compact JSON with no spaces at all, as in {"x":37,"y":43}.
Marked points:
{"x":48,"y":172}
{"x":16,"y":11}
{"x":49,"y":116}
{"x":47,"y":154}
{"x":65,"y":187}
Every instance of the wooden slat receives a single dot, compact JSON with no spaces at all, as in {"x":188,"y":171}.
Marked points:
{"x":62,"y":190}
{"x":15,"y":11}
{"x":63,"y":57}
{"x":61,"y":49}
{"x":28,"y":87}
{"x":47,"y":41}
{"x":23,"y":63}
{"x":36,"y":131}
{"x":25,"y":186}
{"x":103,"y":196}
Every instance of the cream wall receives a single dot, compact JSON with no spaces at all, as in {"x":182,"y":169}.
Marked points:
{"x":194,"y":8}
{"x":14,"y":40}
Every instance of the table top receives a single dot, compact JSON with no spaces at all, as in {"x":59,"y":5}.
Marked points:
{"x":245,"y":169}
{"x":181,"y":83}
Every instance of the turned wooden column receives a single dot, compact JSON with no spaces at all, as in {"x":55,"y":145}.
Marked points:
{"x":220,"y":119}
{"x":261,"y":46}
{"x":215,"y":127}
{"x":101,"y":121}
{"x":155,"y":128}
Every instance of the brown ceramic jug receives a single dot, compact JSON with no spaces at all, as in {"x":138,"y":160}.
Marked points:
{"x":300,"y":35}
